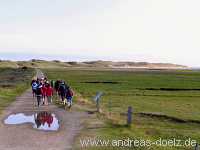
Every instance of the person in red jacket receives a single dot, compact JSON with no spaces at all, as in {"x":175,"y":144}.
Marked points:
{"x":49,"y":93}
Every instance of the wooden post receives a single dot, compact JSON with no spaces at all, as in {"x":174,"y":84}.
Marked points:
{"x":129,"y":115}
{"x":197,"y":146}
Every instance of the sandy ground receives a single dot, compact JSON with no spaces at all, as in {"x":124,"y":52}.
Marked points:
{"x":24,"y":137}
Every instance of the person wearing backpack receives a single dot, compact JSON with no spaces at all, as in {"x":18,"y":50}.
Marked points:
{"x":39,"y":94}
{"x":34,"y":87}
{"x":62,"y":91}
{"x":69,"y":96}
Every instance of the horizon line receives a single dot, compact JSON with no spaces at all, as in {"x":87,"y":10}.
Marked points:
{"x":81,"y":58}
{"x":94,"y":60}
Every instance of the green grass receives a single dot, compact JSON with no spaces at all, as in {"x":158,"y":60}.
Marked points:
{"x":13,"y":82}
{"x":171,"y":93}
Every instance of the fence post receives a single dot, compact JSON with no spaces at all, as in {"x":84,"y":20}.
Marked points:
{"x":97,"y":105}
{"x":129,"y":115}
{"x":197,"y":146}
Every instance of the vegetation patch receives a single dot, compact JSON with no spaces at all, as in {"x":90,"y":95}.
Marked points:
{"x":13,"y":82}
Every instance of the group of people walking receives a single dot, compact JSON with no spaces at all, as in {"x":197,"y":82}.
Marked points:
{"x":43,"y":91}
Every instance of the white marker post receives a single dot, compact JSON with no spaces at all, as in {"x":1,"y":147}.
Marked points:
{"x":97,"y":100}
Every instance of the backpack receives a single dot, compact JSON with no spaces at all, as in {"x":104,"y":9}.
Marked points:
{"x":62,"y":88}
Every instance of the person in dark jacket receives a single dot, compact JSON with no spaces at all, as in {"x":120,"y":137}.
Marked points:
{"x":39,"y":94}
{"x":62,"y":91}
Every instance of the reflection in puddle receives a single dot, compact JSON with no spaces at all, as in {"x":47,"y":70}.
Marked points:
{"x":41,"y":120}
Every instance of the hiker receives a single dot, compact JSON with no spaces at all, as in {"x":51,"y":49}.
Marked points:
{"x":34,"y":87}
{"x":49,"y":93}
{"x":33,"y":81}
{"x":69,"y":96}
{"x":56,"y":86}
{"x":39,"y":93}
{"x":62,"y":90}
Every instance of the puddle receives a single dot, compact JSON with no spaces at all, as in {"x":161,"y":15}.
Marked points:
{"x":41,"y":121}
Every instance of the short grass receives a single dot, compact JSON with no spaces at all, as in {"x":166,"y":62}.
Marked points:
{"x":12,"y":83}
{"x":175,"y":94}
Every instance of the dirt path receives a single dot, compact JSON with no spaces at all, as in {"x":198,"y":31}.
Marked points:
{"x":24,"y":137}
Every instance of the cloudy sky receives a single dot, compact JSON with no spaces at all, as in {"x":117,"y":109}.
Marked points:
{"x":135,"y":30}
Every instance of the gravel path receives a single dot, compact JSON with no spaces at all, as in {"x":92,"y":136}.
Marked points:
{"x":24,"y":137}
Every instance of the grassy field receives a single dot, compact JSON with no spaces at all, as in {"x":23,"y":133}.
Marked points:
{"x":12,"y":83}
{"x":166,"y":103}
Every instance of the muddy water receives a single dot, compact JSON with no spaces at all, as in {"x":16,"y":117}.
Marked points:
{"x":41,"y":121}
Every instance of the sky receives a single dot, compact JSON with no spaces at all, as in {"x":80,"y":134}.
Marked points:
{"x":165,"y":31}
